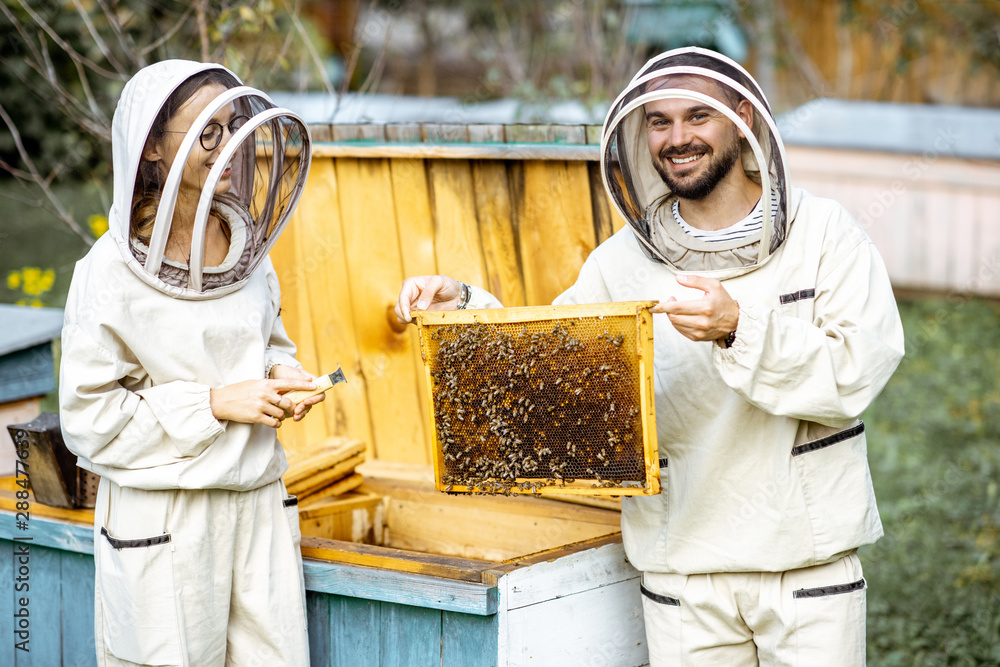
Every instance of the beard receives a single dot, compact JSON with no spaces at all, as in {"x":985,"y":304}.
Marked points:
{"x":719,"y":167}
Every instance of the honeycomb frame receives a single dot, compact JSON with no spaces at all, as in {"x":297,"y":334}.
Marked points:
{"x":596,"y":361}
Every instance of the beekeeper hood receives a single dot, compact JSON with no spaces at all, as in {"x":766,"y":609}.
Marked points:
{"x":643,"y":198}
{"x":249,"y":158}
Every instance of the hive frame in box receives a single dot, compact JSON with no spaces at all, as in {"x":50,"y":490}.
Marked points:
{"x":430,"y":321}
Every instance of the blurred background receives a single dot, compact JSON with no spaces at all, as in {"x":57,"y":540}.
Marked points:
{"x":890,"y":106}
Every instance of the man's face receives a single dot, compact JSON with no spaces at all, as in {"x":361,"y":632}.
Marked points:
{"x":693,"y":146}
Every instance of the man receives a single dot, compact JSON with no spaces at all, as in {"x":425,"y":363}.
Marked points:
{"x":779,"y":329}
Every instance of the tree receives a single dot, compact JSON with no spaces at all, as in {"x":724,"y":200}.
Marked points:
{"x":64,"y":65}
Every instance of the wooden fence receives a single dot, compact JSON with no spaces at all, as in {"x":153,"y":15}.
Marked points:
{"x":517,"y":209}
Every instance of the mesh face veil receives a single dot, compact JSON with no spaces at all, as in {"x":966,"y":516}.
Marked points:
{"x":642,"y":197}
{"x":251,"y":181}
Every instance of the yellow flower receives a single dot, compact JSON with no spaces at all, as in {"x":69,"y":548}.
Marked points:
{"x":48,"y":280}
{"x":32,"y":276}
{"x":98,"y":224}
{"x":13,"y":280}
{"x":36,"y":281}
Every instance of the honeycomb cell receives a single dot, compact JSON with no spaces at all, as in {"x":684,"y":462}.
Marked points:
{"x":526,"y":405}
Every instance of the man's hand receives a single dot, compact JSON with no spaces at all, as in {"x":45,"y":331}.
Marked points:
{"x":255,"y":401}
{"x":427,"y":293}
{"x":711,"y":318}
{"x":283,"y":372}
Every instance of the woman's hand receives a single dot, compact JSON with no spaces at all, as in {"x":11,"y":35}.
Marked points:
{"x":282,"y":372}
{"x":256,"y":401}
{"x":427,"y":293}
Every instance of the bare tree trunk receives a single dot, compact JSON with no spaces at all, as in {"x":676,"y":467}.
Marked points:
{"x":762,"y":13}
{"x":845,"y":57}
{"x":814,"y":77}
{"x":426,"y":75}
{"x":202,"y":19}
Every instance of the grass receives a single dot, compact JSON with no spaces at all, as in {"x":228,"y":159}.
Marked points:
{"x":934,"y":447}
{"x":31,"y":236}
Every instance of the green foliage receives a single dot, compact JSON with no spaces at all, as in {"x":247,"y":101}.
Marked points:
{"x":31,"y":237}
{"x":540,"y":51}
{"x":63,"y":66}
{"x":970,"y":27}
{"x":934,"y":446}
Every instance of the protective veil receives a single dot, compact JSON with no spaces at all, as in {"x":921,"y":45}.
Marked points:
{"x":642,"y":197}
{"x":269,"y":159}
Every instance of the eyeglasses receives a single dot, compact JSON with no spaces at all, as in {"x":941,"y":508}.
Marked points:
{"x":212,"y":136}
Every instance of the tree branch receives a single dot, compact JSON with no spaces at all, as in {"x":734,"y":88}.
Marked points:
{"x":202,"y":29}
{"x":80,"y":115}
{"x":169,"y":33}
{"x":293,"y":13}
{"x":35,"y":177}
{"x":97,"y":39}
{"x":70,"y":51}
{"x":126,"y":42}
{"x":95,"y":108}
{"x":40,"y":62}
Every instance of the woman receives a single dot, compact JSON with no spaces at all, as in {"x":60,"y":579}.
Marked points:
{"x":174,"y":369}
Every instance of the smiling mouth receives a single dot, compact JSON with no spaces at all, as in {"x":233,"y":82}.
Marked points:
{"x":686,"y":160}
{"x":227,"y":170}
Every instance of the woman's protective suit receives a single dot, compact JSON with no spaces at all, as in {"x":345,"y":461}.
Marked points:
{"x":196,"y":541}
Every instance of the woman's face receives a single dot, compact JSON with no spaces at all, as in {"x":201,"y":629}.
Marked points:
{"x":200,"y":161}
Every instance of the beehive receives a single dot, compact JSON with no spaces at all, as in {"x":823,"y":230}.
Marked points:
{"x":554,"y":399}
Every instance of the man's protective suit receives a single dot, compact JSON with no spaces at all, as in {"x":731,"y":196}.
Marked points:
{"x":196,"y":541}
{"x":748,"y":553}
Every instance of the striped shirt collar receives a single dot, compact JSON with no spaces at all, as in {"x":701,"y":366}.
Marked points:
{"x":742,"y":229}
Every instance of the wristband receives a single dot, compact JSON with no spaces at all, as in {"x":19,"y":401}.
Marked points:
{"x":728,"y":341}
{"x":463,"y":301}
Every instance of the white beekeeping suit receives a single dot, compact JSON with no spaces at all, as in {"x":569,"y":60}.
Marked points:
{"x":749,"y":552}
{"x":196,"y":541}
